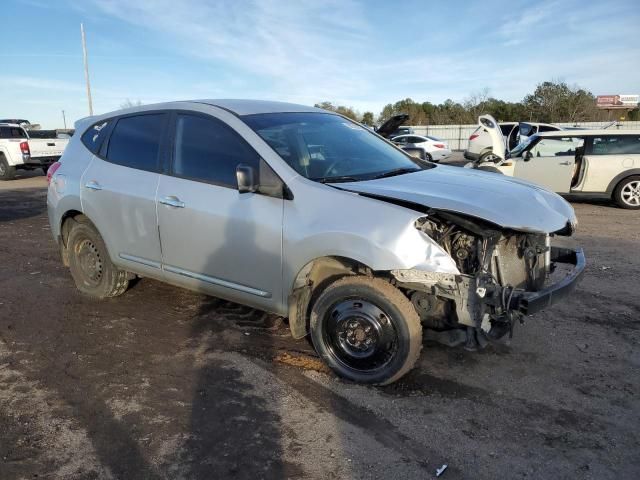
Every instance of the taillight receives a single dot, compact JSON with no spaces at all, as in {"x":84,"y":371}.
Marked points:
{"x":438,"y":145}
{"x":24,"y":148}
{"x":473,"y":137}
{"x":52,"y":169}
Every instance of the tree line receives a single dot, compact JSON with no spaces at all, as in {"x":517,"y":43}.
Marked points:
{"x":550,"y":102}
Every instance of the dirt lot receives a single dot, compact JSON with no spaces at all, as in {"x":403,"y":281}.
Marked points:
{"x":164,"y":383}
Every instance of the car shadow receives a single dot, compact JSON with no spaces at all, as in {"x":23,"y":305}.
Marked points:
{"x":22,"y":203}
{"x":235,"y":428}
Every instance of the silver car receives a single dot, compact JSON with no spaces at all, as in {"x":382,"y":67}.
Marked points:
{"x":306,"y":214}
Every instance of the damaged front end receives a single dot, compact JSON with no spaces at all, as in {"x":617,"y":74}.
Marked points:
{"x":504,"y":276}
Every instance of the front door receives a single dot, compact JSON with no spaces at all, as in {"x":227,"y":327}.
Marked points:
{"x":551,"y":163}
{"x":214,"y":238}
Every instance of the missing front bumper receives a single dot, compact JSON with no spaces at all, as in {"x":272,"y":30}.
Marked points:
{"x":477,"y":298}
{"x":529,"y":303}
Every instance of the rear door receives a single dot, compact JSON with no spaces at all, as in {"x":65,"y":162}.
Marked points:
{"x":552,"y":163}
{"x":215,"y":239}
{"x":118,"y":190}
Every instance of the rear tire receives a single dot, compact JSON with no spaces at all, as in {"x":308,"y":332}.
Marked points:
{"x":627,"y":193}
{"x":428,"y":157}
{"x":90,"y":265}
{"x":488,"y":157}
{"x":7,"y":172}
{"x":366,"y":330}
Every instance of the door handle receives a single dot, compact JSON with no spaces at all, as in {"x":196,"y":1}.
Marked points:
{"x":565,"y":163}
{"x":172,"y":201}
{"x":93,"y":185}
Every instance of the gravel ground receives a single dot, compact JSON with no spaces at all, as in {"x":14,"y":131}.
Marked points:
{"x":165,"y":383}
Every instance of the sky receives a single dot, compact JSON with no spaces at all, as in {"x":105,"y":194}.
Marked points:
{"x":363,"y":54}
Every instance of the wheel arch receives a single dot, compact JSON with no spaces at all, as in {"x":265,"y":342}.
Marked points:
{"x":311,"y":280}
{"x":613,"y":184}
{"x":66,"y":224}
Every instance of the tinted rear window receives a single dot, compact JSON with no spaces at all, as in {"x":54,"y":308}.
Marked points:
{"x":95,"y":135}
{"x":12,"y":132}
{"x":135,"y":141}
{"x":616,"y":145}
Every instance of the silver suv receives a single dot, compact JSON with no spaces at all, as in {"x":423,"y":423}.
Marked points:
{"x":306,"y":214}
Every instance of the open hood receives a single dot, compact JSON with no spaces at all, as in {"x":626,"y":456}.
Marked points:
{"x":504,"y":201}
{"x":391,"y":125}
{"x":488,"y":123}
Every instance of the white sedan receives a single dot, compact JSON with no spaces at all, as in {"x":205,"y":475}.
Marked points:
{"x":427,"y":148}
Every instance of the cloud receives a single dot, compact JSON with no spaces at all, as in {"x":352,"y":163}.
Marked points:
{"x":527,"y":23}
{"x":349,"y":52}
{"x":297,"y":44}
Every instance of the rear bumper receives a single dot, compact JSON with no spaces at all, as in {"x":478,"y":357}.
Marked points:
{"x":440,"y":153}
{"x":40,"y":162}
{"x":470,"y":155}
{"x":532,"y":302}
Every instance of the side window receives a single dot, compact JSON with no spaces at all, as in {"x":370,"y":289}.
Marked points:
{"x":135,"y":141}
{"x":557,"y":147}
{"x":208,"y":150}
{"x":526,"y":129}
{"x":12,"y":132}
{"x":547,"y":128}
{"x":94,"y":136}
{"x":616,"y":145}
{"x":401,"y":140}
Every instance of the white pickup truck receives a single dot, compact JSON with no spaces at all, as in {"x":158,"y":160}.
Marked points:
{"x":20,"y":151}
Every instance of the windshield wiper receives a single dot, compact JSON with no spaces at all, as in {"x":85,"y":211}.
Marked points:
{"x":337,"y":179}
{"x":397,"y":171}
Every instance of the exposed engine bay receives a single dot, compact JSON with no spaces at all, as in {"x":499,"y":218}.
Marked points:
{"x":497,"y":266}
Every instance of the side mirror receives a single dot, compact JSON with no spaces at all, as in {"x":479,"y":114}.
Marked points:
{"x":526,"y":156}
{"x":247,"y":179}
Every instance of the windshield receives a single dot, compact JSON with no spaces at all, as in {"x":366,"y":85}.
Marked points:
{"x":517,"y":152}
{"x":329,"y":148}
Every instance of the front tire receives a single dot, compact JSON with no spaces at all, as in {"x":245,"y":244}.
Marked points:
{"x":366,"y":330}
{"x":90,"y":265}
{"x":7,"y":172}
{"x":627,"y":193}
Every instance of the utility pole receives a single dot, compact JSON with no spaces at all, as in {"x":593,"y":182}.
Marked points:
{"x":64,"y":120}
{"x":86,"y":69}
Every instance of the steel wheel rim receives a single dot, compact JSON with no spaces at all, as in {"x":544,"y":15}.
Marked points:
{"x":630,"y":193}
{"x":89,"y":261}
{"x":360,"y":335}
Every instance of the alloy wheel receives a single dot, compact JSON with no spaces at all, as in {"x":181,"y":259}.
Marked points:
{"x":630,"y":193}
